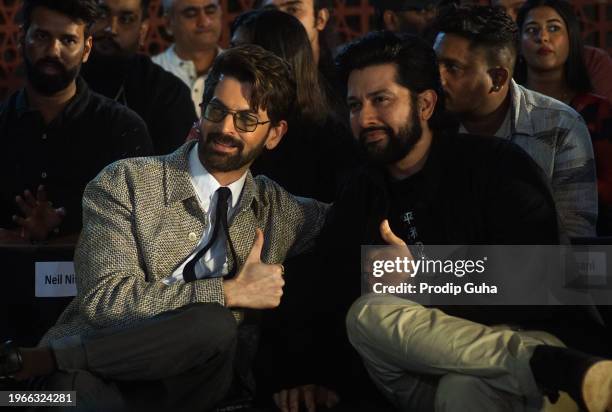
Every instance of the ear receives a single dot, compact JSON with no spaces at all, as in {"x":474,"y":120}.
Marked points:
{"x":390,"y":20}
{"x":21,"y":39}
{"x":276,"y":134}
{"x":426,"y":104}
{"x":144,"y":30}
{"x":499,"y":77}
{"x":321,"y":19}
{"x":87,"y":48}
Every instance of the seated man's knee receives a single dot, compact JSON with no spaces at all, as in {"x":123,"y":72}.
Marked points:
{"x":464,"y":392}
{"x":92,"y":392}
{"x":356,"y":319}
{"x":366,"y":314}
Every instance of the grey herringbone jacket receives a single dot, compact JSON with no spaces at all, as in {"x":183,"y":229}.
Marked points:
{"x":141,"y":219}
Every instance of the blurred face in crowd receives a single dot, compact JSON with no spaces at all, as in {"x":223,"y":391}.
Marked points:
{"x":54,"y":47}
{"x":464,"y":72}
{"x":304,"y":11}
{"x":410,"y":21}
{"x":195,"y":24}
{"x":120,"y":28}
{"x":544,"y":40}
{"x":511,"y":7}
{"x":225,"y":145}
{"x":383,"y":115}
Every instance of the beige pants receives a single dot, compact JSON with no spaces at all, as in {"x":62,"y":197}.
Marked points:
{"x":423,"y":359}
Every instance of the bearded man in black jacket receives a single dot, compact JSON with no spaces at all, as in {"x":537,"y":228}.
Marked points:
{"x":116,"y":70}
{"x":427,"y":185}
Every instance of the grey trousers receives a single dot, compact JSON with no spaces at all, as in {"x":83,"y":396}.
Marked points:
{"x":423,"y":359}
{"x":181,"y":360}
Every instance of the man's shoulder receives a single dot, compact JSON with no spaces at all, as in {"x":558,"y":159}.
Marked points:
{"x":10,"y":103}
{"x":270,"y":194}
{"x":266,"y":189}
{"x":152,"y":73}
{"x":484,"y":150}
{"x":110,"y":113}
{"x":164,"y":59}
{"x":146,"y":168}
{"x":133,"y":169}
{"x":540,"y":106}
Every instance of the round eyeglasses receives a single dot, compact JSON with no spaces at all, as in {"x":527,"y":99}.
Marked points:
{"x":243,"y":120}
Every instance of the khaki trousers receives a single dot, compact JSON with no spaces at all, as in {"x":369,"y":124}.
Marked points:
{"x":423,"y":359}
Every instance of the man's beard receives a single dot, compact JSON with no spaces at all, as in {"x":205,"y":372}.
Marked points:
{"x":224,"y":162}
{"x":49,"y":84}
{"x":397,"y":145}
{"x":105,"y":44}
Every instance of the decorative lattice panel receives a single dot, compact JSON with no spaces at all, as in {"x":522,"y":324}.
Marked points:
{"x":352,"y":19}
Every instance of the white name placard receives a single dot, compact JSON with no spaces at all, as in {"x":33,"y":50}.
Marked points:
{"x":55,"y":279}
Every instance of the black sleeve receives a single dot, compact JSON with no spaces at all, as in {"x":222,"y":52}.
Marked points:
{"x":130,"y":137}
{"x":521,"y":207}
{"x":173,"y":114}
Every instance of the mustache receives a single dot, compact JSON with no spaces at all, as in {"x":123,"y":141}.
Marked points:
{"x":224,"y":139}
{"x":50,"y":61}
{"x":364,"y":132}
{"x":106,"y":38}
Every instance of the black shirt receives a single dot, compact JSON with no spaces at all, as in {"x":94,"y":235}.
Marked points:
{"x":159,"y":97}
{"x":312,"y":160}
{"x":404,"y":196}
{"x":91,"y":132}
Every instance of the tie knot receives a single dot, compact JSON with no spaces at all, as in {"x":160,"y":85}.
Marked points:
{"x":223,"y":194}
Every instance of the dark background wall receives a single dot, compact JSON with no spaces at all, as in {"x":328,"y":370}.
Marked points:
{"x":352,"y":18}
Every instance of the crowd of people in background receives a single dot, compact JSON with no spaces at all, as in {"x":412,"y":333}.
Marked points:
{"x":203,"y":178}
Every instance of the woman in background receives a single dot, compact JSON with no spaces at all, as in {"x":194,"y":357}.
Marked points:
{"x":317,"y":151}
{"x":552,"y":63}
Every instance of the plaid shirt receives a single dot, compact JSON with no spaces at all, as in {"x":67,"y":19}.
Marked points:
{"x":557,"y":138}
{"x":141,"y":220}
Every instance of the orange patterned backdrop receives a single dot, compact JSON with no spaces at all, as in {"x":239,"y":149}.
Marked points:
{"x":352,"y":18}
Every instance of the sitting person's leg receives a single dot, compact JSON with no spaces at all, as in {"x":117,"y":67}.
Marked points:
{"x":186,"y":353}
{"x":395,"y":336}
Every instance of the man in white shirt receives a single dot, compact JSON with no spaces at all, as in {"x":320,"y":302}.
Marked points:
{"x":170,"y":286}
{"x":196,"y":27}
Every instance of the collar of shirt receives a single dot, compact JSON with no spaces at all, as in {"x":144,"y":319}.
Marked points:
{"x":512,"y":121}
{"x":205,"y":184}
{"x":187,"y":65}
{"x":76,"y":105}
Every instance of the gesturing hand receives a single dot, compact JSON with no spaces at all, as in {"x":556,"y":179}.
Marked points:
{"x":258,"y":285}
{"x":289,"y":400}
{"x":388,"y":235}
{"x":39,"y":216}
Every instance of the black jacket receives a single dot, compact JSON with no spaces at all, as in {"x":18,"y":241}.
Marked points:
{"x":160,"y":98}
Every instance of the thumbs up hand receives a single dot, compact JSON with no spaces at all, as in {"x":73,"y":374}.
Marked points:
{"x":258,"y":285}
{"x":388,"y":236}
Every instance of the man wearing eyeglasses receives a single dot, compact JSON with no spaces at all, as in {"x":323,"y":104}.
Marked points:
{"x":196,"y":28}
{"x":177,"y":255}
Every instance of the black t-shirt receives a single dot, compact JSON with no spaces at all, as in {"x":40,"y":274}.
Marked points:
{"x":90,"y":133}
{"x":405,"y":216}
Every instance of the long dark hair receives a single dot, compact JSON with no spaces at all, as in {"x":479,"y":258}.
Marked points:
{"x":576,"y":74}
{"x":285,"y":36}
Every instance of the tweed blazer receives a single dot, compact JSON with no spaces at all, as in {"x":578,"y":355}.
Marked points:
{"x":141,"y":220}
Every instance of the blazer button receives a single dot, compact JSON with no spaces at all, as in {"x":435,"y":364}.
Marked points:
{"x":192,"y":236}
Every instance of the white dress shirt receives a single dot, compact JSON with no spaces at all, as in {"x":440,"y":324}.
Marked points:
{"x":214,"y":262}
{"x":186,"y":71}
